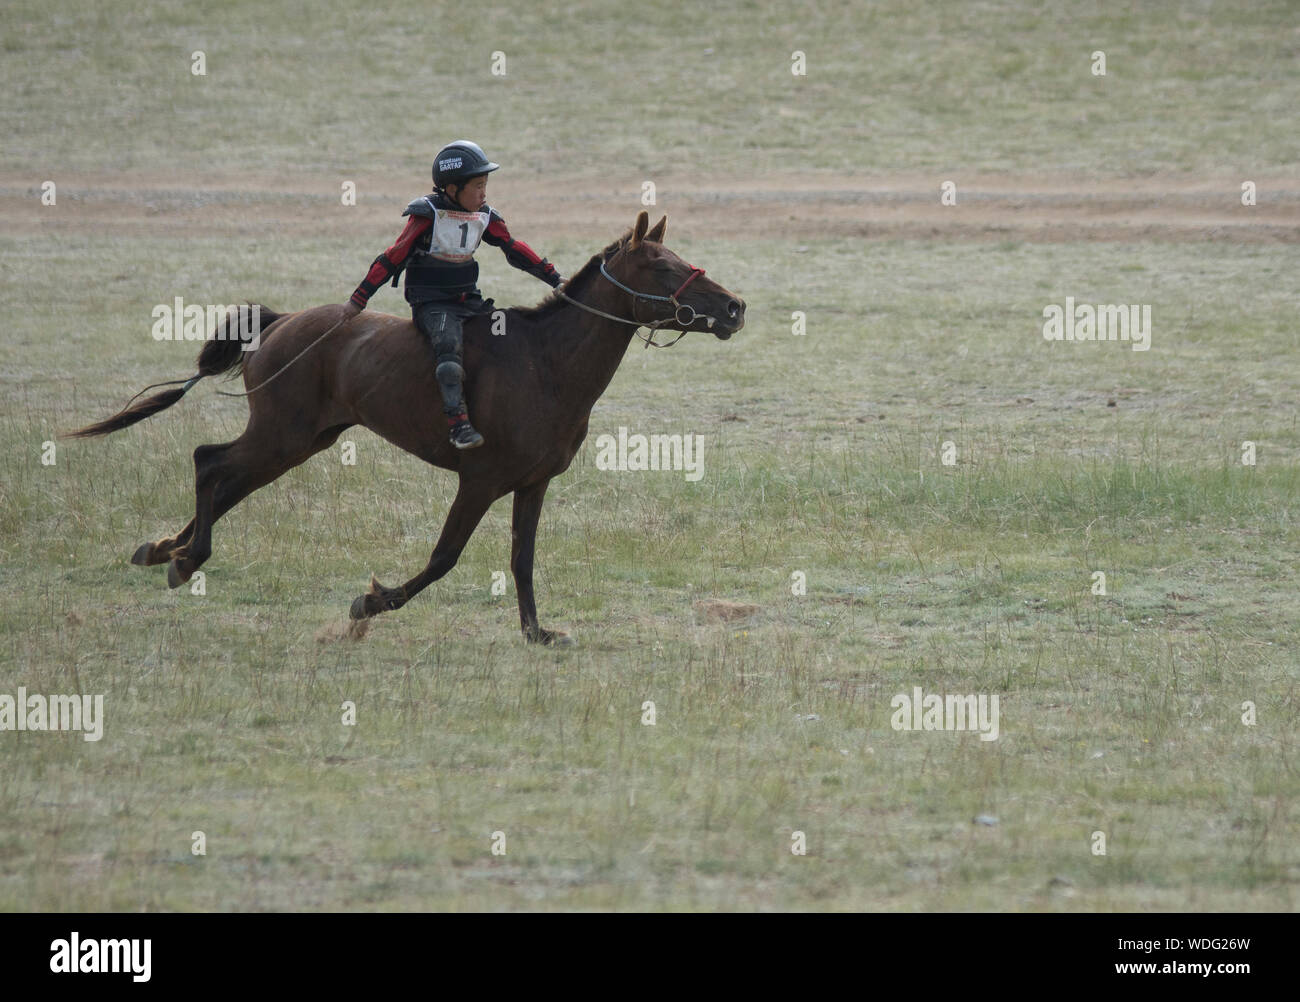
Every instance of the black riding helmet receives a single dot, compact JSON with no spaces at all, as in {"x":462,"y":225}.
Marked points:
{"x":459,"y":162}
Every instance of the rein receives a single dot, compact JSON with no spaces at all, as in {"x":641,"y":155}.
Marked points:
{"x":676,"y":319}
{"x":279,"y":372}
{"x":675,"y":322}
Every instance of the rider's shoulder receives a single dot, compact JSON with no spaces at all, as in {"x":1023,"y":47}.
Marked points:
{"x":422,"y":206}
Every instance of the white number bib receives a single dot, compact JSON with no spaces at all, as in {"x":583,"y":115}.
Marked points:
{"x":456,"y":235}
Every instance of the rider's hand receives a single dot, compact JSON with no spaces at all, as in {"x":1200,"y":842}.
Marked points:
{"x":352,"y":308}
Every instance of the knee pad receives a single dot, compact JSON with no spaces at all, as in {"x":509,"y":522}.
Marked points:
{"x":447,"y":342}
{"x":449,"y":372}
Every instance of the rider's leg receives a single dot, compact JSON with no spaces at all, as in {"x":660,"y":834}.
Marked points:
{"x":444,"y":331}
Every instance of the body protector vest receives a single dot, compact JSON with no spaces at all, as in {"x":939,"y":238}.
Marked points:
{"x":442,"y":264}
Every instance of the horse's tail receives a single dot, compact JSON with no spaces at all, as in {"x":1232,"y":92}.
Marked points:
{"x":223,"y":351}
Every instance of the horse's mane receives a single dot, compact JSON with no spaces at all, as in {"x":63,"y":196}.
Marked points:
{"x":554,"y":302}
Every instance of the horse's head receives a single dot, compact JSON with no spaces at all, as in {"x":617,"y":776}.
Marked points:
{"x":668,"y":292}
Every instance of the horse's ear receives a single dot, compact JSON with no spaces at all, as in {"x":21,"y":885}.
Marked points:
{"x":638,"y":231}
{"x":657,"y":232}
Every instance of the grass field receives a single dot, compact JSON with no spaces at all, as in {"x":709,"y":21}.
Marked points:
{"x":1120,"y":713}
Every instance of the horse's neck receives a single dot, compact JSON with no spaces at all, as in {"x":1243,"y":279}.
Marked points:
{"x":588,"y":349}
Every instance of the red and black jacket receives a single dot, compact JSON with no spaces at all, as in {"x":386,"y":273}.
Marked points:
{"x":430,"y":279}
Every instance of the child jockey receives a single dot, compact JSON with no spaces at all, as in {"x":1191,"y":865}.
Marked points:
{"x":437,"y":250}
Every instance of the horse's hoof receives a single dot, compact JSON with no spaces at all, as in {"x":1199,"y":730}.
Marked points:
{"x":358,"y":610}
{"x":141,"y":556}
{"x":174,"y":576}
{"x":554,"y":638}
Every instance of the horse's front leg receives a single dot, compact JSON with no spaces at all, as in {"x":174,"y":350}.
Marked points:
{"x":523,"y":539}
{"x":472,"y":502}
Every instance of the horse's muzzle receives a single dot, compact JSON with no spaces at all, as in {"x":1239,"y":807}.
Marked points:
{"x":735,"y":311}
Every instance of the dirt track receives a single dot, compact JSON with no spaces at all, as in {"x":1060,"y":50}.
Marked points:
{"x":797,"y":208}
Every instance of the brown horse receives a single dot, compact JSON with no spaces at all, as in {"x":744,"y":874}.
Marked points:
{"x":531,"y":390}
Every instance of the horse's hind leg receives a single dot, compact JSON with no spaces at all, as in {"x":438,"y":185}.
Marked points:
{"x":224,"y":476}
{"x":208,"y":469}
{"x":164,"y":550}
{"x":160,"y":552}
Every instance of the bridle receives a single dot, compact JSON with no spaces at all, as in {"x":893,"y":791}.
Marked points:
{"x":676,"y":322}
